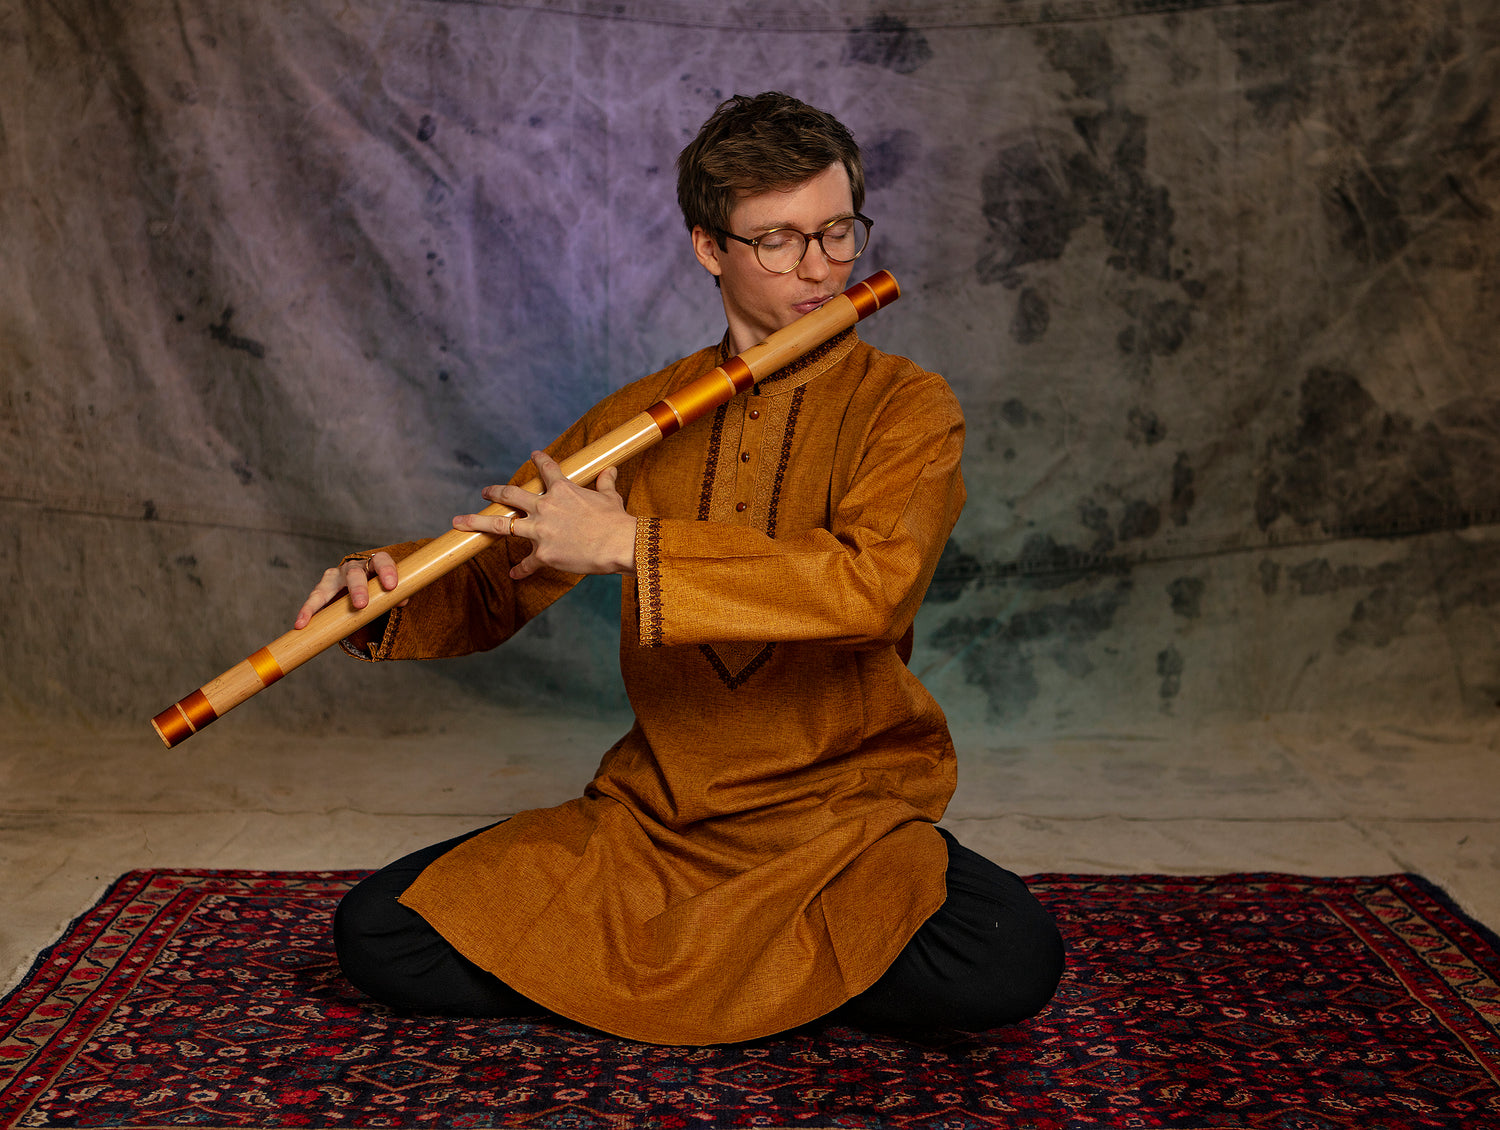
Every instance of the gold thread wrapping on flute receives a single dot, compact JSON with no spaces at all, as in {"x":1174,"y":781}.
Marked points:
{"x":885,"y":287}
{"x":199,"y":710}
{"x":739,"y":373}
{"x":266,"y":666}
{"x":666,"y":419}
{"x":172,"y":725}
{"x":865,"y":300}
{"x":873,"y":293}
{"x":692,"y":401}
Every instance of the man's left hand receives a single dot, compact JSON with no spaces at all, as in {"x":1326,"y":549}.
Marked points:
{"x":571,"y":528}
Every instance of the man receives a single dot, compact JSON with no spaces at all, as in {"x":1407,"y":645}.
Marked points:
{"x":761,"y":849}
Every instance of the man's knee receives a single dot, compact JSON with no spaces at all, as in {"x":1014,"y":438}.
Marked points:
{"x":956,"y":975}
{"x":1006,"y":945}
{"x":990,"y":956}
{"x":390,"y":953}
{"x":373,"y":936}
{"x":1019,"y":976}
{"x":999,"y":964}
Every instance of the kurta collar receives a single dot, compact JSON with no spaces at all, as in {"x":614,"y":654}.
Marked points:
{"x":805,"y":368}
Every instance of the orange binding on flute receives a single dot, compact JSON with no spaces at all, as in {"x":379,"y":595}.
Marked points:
{"x":337,"y":620}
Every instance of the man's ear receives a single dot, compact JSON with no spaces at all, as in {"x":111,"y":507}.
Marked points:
{"x":706,"y":248}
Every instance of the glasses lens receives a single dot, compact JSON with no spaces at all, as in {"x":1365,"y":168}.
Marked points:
{"x":780,"y":250}
{"x":843,"y":240}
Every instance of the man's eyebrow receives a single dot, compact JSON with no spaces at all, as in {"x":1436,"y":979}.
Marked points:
{"x":763,"y":228}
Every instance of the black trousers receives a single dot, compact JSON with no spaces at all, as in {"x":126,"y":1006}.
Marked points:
{"x":991,"y":955}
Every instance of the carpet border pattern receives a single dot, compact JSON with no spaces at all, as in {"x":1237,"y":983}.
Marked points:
{"x":1444,"y":962}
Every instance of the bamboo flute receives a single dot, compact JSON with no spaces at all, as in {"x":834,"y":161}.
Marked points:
{"x":338,"y":619}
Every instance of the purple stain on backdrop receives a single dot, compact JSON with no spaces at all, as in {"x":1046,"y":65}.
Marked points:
{"x":887,"y":41}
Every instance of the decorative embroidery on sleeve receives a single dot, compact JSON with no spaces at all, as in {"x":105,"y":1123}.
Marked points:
{"x":648,"y":580}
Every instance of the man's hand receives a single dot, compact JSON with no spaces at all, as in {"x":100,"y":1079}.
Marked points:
{"x":571,"y":528}
{"x":351,"y":575}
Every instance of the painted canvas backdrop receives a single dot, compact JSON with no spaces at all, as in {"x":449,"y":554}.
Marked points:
{"x":1216,"y":284}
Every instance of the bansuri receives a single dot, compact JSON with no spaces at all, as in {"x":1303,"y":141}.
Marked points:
{"x":186,"y":717}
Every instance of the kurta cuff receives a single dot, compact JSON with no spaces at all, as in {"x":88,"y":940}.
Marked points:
{"x":371,"y":642}
{"x":648,"y":580}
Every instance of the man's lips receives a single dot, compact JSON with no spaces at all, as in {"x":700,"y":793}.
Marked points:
{"x":811,"y":304}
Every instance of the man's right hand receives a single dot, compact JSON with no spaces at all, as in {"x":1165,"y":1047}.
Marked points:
{"x":353,"y":576}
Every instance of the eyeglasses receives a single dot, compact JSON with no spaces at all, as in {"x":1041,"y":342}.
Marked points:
{"x":780,"y":250}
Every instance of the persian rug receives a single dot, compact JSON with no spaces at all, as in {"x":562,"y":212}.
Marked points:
{"x":212,"y":999}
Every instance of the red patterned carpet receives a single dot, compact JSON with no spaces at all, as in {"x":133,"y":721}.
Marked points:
{"x":211,"y":999}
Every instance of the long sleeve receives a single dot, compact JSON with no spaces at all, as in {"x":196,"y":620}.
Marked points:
{"x":477,"y":606}
{"x":895,"y":493}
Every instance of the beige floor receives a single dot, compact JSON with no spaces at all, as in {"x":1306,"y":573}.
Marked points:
{"x":1302,"y":795}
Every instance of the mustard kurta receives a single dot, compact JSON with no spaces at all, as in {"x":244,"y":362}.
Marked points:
{"x":760,"y":846}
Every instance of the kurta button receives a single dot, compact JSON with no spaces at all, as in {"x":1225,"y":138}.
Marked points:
{"x":755,"y":414}
{"x":739,"y":506}
{"x":744,"y":457}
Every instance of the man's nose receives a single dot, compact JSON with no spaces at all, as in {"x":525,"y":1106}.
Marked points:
{"x":815,"y":265}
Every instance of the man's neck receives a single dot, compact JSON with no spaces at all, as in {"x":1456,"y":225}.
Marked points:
{"x":739,"y":339}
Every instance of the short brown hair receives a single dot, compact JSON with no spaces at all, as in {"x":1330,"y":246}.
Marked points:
{"x":752,"y":145}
